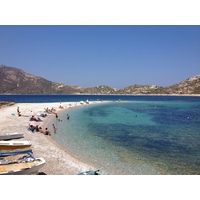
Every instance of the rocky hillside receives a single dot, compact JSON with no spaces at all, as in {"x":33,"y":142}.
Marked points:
{"x":189,"y":86}
{"x":16,"y":81}
{"x":102,"y":89}
{"x":142,"y":89}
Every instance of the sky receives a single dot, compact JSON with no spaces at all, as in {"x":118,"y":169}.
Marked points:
{"x":114,"y":55}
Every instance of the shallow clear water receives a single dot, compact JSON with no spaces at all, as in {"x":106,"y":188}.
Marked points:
{"x":134,"y":137}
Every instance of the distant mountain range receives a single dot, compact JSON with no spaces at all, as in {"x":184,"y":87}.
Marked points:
{"x":16,"y":81}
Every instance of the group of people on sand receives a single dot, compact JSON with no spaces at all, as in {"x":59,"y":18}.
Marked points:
{"x":38,"y":129}
{"x":50,"y":110}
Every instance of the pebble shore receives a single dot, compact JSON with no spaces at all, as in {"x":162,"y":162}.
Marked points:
{"x":58,"y":160}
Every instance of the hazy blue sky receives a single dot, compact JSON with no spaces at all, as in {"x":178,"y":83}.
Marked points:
{"x":117,"y":56}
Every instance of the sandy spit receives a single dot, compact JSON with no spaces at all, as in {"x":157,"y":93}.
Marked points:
{"x":58,"y":160}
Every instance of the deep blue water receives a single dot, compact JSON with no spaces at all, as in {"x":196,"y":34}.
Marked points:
{"x":77,"y":98}
{"x":139,"y":135}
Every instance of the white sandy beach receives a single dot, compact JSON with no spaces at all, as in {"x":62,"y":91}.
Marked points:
{"x":58,"y":161}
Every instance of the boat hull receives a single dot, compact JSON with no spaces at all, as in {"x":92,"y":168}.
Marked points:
{"x":14,"y":145}
{"x":29,"y":168}
{"x":10,"y":136}
{"x":5,"y":153}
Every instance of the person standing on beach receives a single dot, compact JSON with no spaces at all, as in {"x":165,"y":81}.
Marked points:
{"x":54,"y":128}
{"x":56,"y":116}
{"x":18,"y":112}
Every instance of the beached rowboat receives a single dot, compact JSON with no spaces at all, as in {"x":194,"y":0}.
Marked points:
{"x":24,"y":168}
{"x":10,"y":136}
{"x":14,"y":144}
{"x":18,"y":158}
{"x":4,"y":153}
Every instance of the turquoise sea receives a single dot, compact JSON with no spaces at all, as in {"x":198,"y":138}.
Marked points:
{"x":134,"y":137}
{"x":137,"y":135}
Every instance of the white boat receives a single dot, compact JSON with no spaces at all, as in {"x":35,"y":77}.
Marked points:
{"x":10,"y":136}
{"x":14,"y":144}
{"x":23,"y":168}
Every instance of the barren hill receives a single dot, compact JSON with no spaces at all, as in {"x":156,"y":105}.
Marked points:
{"x":16,"y":81}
